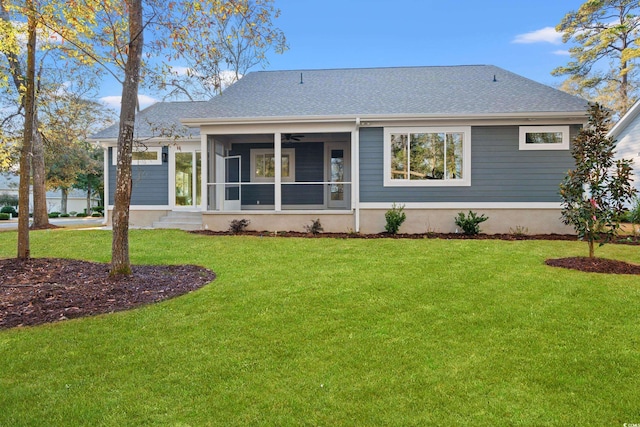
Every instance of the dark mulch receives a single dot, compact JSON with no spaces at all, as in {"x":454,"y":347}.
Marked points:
{"x":446,"y":236}
{"x":595,"y":265}
{"x":44,"y":290}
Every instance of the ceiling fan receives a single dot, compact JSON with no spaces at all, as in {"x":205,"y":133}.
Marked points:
{"x":290,"y":137}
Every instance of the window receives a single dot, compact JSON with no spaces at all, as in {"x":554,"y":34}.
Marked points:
{"x":427,"y":156}
{"x":544,"y":137}
{"x":263,"y":165}
{"x":142,"y":156}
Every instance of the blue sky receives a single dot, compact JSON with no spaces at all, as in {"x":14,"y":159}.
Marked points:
{"x":516,"y":35}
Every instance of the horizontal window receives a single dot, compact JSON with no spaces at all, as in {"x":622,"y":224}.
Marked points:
{"x":263,"y":165}
{"x":142,"y":156}
{"x":427,"y":156}
{"x":544,"y":137}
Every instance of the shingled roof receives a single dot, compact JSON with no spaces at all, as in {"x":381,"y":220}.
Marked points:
{"x":413,"y":91}
{"x":153,"y":119}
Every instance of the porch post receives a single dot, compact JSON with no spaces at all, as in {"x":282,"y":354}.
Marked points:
{"x":204,"y":171}
{"x":277,"y":153}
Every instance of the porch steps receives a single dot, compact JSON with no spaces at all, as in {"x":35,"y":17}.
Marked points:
{"x":180,"y":221}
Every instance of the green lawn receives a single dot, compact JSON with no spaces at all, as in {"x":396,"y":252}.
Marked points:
{"x":337,"y":332}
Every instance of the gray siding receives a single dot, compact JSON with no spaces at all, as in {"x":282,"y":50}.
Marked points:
{"x":150,"y":182}
{"x":309,"y":167}
{"x":500,"y":172}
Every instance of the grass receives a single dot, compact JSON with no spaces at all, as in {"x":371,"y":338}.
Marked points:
{"x":337,"y":332}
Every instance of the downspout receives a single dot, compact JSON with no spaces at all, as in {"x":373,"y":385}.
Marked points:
{"x":355,"y":167}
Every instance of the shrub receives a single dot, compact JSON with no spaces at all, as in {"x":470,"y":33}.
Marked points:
{"x":65,"y":215}
{"x":8,"y":200}
{"x":81,"y":215}
{"x":98,"y":209}
{"x":395,"y":217}
{"x":96,"y":214}
{"x":238,"y":225}
{"x":54,"y":214}
{"x":9,"y":210}
{"x":4,"y":216}
{"x":315,"y":227}
{"x":470,"y":223}
{"x":519,"y":231}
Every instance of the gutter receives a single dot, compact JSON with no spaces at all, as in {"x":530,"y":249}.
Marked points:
{"x":579,"y":116}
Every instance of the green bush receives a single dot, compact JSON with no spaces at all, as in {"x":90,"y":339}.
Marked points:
{"x":8,"y":200}
{"x":65,"y":215}
{"x":81,"y":215}
{"x":96,"y":214}
{"x":633,"y":216}
{"x":470,"y":224}
{"x":238,"y":225}
{"x":315,"y":227}
{"x":54,"y":214}
{"x":395,"y":217}
{"x":98,"y":209}
{"x":4,"y":216}
{"x":9,"y":210}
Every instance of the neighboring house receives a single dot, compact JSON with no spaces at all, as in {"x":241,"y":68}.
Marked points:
{"x":627,"y":134}
{"x":76,"y":199}
{"x":282,"y":148}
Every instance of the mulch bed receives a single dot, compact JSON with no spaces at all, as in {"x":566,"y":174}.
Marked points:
{"x":44,"y":290}
{"x":595,"y":265}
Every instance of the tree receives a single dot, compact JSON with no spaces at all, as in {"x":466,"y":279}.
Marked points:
{"x":111,"y":34}
{"x":594,"y":194}
{"x":220,"y":52}
{"x":604,"y":59}
{"x":12,"y":52}
{"x":68,"y":119}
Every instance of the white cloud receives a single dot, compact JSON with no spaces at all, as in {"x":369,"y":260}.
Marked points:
{"x":114,"y":101}
{"x":562,"y":52}
{"x":543,"y":35}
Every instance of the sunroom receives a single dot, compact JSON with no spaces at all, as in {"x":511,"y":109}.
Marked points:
{"x":276,"y":172}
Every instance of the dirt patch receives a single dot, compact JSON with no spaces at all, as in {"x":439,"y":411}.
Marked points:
{"x":44,"y":290}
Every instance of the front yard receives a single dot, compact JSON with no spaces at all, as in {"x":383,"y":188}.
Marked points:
{"x":337,"y":332}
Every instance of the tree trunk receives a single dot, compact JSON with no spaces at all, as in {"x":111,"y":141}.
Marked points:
{"x":591,"y":249}
{"x":29,"y":101}
{"x":64,"y":195}
{"x":120,"y":263}
{"x":40,"y":214}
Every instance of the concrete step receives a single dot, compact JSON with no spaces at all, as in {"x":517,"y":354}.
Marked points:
{"x":180,"y":220}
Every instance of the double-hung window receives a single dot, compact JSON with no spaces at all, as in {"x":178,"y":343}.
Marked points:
{"x":428,"y":156}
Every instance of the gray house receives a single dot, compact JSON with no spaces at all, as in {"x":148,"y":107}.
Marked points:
{"x":282,"y":148}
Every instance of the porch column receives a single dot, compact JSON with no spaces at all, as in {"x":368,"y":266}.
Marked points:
{"x":204,"y":172}
{"x":277,"y":153}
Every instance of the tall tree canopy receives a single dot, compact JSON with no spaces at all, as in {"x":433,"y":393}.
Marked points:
{"x":605,"y":54}
{"x":134,"y":39}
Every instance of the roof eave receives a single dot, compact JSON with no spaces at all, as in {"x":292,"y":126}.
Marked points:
{"x":573,"y":116}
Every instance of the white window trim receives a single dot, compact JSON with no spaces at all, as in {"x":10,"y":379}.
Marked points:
{"x":466,"y":158}
{"x":291,"y":152}
{"x":543,"y":129}
{"x":157,"y":161}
